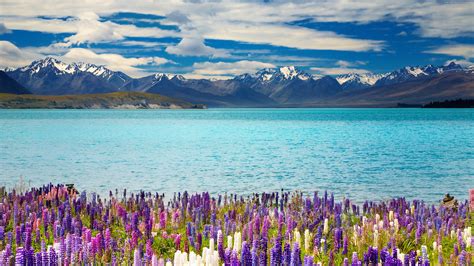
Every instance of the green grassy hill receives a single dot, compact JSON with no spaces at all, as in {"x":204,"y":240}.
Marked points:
{"x":115,"y":100}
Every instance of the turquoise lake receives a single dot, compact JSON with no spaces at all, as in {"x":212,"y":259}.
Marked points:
{"x":361,"y":153}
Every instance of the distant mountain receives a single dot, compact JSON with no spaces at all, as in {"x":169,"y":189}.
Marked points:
{"x":9,"y":85}
{"x":50,"y":76}
{"x":283,"y":86}
{"x":289,"y":85}
{"x":444,"y":86}
{"x":359,"y":81}
{"x":410,"y":73}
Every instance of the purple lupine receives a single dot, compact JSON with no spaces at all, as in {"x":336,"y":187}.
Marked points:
{"x":227,"y":254}
{"x":234,"y":258}
{"x":295,"y":259}
{"x":345,"y":245}
{"x":355,"y":259}
{"x":220,"y":245}
{"x":53,"y":257}
{"x":246,"y":256}
{"x":20,"y":256}
{"x":286,"y":254}
{"x":308,"y":261}
{"x":254,"y":254}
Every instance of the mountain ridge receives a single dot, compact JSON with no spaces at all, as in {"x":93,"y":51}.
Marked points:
{"x":286,"y":85}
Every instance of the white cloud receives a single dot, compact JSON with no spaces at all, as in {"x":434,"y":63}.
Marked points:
{"x":434,"y":18}
{"x":12,"y":56}
{"x":461,"y":50}
{"x":91,"y":30}
{"x":227,"y":69}
{"x":343,"y":67}
{"x":193,"y":45}
{"x":288,"y":36}
{"x":464,"y":63}
{"x":338,"y":70}
{"x":114,"y":62}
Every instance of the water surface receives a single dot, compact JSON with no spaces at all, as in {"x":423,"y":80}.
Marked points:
{"x":361,"y":153}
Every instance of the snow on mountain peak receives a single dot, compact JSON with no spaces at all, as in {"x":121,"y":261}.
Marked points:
{"x":160,"y":76}
{"x":367,"y":79}
{"x":288,"y":72}
{"x":61,"y":68}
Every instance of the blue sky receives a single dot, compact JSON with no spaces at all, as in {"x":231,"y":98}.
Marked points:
{"x":220,"y":39}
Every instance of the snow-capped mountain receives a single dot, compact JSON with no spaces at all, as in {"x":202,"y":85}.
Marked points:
{"x":285,"y":85}
{"x":288,"y":84}
{"x":415,"y":72}
{"x":51,"y":76}
{"x":358,"y":81}
{"x":268,"y":75}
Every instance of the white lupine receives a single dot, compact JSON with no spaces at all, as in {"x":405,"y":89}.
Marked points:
{"x":381,"y":224}
{"x":237,"y":241}
{"x":211,"y":244}
{"x":177,"y":257}
{"x":364,"y":221}
{"x":297,"y":236}
{"x":390,"y":215}
{"x":192,"y":258}
{"x":376,"y":236}
{"x":229,"y":242}
{"x":377,"y":218}
{"x":184,"y":258}
{"x":435,"y":246}
{"x":198,"y":260}
{"x":401,"y":256}
{"x":440,"y":248}
{"x":396,"y":224}
{"x":453,"y":234}
{"x":307,"y":240}
{"x":467,"y":236}
{"x":168,"y":263}
{"x":326,"y":226}
{"x":322,"y":244}
{"x":355,"y":235}
{"x":412,"y":209}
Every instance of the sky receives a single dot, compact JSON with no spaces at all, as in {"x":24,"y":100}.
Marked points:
{"x":221,"y":39}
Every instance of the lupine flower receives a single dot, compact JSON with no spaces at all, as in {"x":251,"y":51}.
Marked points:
{"x":135,"y":229}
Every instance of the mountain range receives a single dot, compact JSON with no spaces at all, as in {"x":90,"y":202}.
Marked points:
{"x":283,"y":86}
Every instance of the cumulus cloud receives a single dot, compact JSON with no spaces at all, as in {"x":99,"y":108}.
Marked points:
{"x":91,"y":30}
{"x":12,"y":56}
{"x":224,"y":70}
{"x":461,"y":50}
{"x":116,"y":62}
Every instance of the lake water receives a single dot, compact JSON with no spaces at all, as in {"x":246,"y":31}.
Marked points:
{"x":361,"y":153}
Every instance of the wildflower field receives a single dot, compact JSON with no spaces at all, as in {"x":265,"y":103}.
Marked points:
{"x":52,"y":225}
